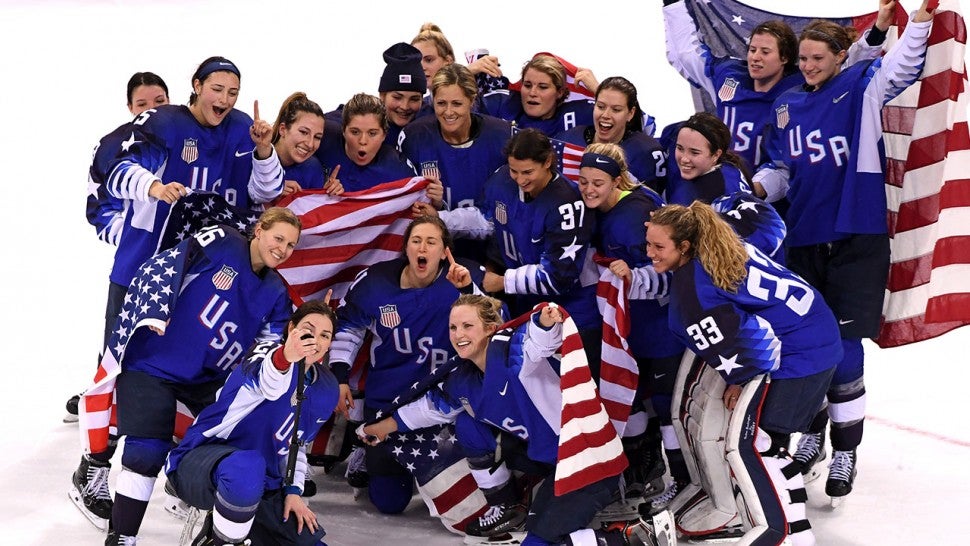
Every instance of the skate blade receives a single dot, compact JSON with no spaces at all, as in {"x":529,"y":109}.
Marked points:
{"x":178,"y":509}
{"x":515,"y":537}
{"x":622,"y":510}
{"x":69,"y":418}
{"x":100,"y":523}
{"x":835,"y":502}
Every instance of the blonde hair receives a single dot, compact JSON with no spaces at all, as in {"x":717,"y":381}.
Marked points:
{"x":712,"y":241}
{"x":430,"y":32}
{"x":615,"y":152}
{"x":455,"y":74}
{"x":489,"y":309}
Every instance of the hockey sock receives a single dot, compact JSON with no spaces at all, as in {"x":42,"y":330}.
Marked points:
{"x":131,"y":501}
{"x":847,"y":398}
{"x":230,"y":522}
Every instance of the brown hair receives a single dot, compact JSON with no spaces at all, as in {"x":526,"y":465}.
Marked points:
{"x":549,"y":66}
{"x":291,"y":108}
{"x":786,"y":39}
{"x":718,"y":139}
{"x":363,"y":104}
{"x":711,"y":240}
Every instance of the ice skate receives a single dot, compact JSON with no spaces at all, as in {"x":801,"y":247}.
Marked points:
{"x":662,"y":501}
{"x":207,"y":536}
{"x":810,"y":454}
{"x":114,"y":539}
{"x":89,"y":491}
{"x":659,"y":531}
{"x":71,"y":407}
{"x":498,"y":520}
{"x":356,"y":473}
{"x":842,"y":472}
{"x":174,"y":505}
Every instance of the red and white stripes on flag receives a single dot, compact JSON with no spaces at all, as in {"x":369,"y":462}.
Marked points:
{"x":928,"y":192}
{"x":619,"y":373}
{"x":577,"y":91}
{"x":343,"y":235}
{"x":589,"y":447}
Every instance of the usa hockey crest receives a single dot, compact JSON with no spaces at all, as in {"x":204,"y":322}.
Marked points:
{"x":389,"y":316}
{"x":501,"y":214}
{"x":429,"y":169}
{"x":190,"y":150}
{"x":781,"y":116}
{"x":728,"y":89}
{"x":224,"y":277}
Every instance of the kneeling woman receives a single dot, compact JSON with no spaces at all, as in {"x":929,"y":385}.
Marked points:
{"x":234,"y":458}
{"x":771,"y":338}
{"x":506,"y":381}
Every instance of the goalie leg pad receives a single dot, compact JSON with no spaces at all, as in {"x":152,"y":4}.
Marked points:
{"x":700,"y":424}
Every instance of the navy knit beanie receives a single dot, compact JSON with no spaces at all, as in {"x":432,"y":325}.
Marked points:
{"x":403,"y":71}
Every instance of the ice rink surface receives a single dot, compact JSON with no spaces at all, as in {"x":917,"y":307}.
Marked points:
{"x":64,"y":67}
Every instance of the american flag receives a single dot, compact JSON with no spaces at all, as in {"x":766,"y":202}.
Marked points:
{"x":619,"y":373}
{"x":927,"y":187}
{"x":442,"y":473}
{"x":589,"y":446}
{"x":198,"y":210}
{"x":568,"y":158}
{"x":927,"y":146}
{"x":345,"y":234}
{"x":151,"y":296}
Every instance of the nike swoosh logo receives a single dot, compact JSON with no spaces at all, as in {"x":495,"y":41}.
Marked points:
{"x":603,"y":161}
{"x":844,"y":322}
{"x":504,"y":389}
{"x":840,"y":97}
{"x":539,"y":240}
{"x":240,"y":154}
{"x":658,"y":375}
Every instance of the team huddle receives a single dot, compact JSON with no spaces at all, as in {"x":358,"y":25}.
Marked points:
{"x":589,"y":336}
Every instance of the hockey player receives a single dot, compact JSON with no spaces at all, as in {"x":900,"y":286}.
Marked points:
{"x":106,"y":212}
{"x":543,"y":101}
{"x":774,"y":343}
{"x":458,"y":147}
{"x":171,"y":150}
{"x":827,"y":158}
{"x":620,"y":236}
{"x":234,"y":459}
{"x":227,"y":295}
{"x":400,"y":303}
{"x":504,"y":381}
{"x":618,"y":119}
{"x":359,"y":151}
{"x":540,"y":229}
{"x":297,"y":134}
{"x":706,"y":165}
{"x":744,"y":90}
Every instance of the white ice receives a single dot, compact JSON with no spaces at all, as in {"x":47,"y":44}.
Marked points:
{"x":64,"y":66}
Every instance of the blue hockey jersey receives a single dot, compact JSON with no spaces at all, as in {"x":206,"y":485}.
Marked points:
{"x":621,"y":235}
{"x":774,"y":323}
{"x":167,"y":143}
{"x":506,"y":104}
{"x":255,"y":411}
{"x":409,"y":328}
{"x":222,"y":308}
{"x":387,"y":166}
{"x":543,"y":242}
{"x":104,"y":211}
{"x":462,"y":169}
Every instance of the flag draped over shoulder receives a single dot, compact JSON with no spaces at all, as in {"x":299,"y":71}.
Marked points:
{"x":619,"y":373}
{"x":202,"y":209}
{"x":343,"y":235}
{"x":928,"y":191}
{"x":150,"y":299}
{"x":927,"y":173}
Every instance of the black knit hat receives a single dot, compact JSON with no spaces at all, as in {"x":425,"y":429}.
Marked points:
{"x":403,"y":71}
